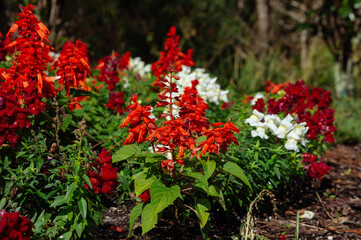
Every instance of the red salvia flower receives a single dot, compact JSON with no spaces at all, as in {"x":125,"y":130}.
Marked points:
{"x":172,"y":56}
{"x":32,"y":43}
{"x":25,"y":81}
{"x":193,"y":110}
{"x":73,"y":66}
{"x":178,"y":134}
{"x":219,"y":138}
{"x":169,"y":164}
{"x":139,"y":121}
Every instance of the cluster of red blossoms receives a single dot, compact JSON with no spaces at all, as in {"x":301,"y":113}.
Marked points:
{"x":145,"y":196}
{"x":311,"y":105}
{"x":172,"y":56}
{"x":315,"y":169}
{"x":105,"y":180}
{"x":30,"y":65}
{"x":14,"y":227}
{"x":25,"y":83}
{"x":12,"y":118}
{"x":179,"y":133}
{"x":72,"y":68}
{"x":109,"y":67}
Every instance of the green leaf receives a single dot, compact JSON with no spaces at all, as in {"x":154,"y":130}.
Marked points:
{"x":87,"y":180}
{"x":79,"y":226}
{"x":161,"y":197}
{"x":67,"y":235}
{"x":203,"y":205}
{"x":70,"y":190}
{"x":141,"y":183}
{"x":235,"y":170}
{"x":82,"y":207}
{"x":2,"y":203}
{"x":60,"y":200}
{"x":76,"y":167}
{"x":209,"y":167}
{"x":66,"y":122}
{"x":134,"y":214}
{"x":6,"y":162}
{"x":79,"y":92}
{"x":215,"y":191}
{"x":149,"y":219}
{"x":41,"y":220}
{"x":200,"y":177}
{"x":126,"y":152}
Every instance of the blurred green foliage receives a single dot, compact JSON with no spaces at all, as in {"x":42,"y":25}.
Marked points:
{"x":348,"y":118}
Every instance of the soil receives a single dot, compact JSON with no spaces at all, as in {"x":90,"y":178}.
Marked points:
{"x":334,"y":202}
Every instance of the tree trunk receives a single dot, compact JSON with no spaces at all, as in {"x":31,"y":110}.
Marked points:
{"x":262,"y":25}
{"x":304,"y":41}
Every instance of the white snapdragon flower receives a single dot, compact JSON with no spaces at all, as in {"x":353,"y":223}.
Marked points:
{"x":291,"y":144}
{"x":256,"y":97}
{"x":300,"y":129}
{"x":285,"y":127}
{"x":260,"y":130}
{"x":272,"y":122}
{"x":297,"y":134}
{"x":255,"y":118}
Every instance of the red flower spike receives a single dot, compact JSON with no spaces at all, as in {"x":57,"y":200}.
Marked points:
{"x":72,"y":66}
{"x":139,"y":121}
{"x":172,"y":56}
{"x":219,"y":138}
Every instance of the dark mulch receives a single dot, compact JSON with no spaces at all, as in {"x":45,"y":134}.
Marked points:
{"x":335,"y":202}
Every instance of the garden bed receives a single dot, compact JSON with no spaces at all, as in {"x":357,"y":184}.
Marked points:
{"x":336,"y":202}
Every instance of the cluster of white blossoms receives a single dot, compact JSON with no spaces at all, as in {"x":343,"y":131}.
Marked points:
{"x":137,"y":67}
{"x":208,"y":89}
{"x":294,"y":133}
